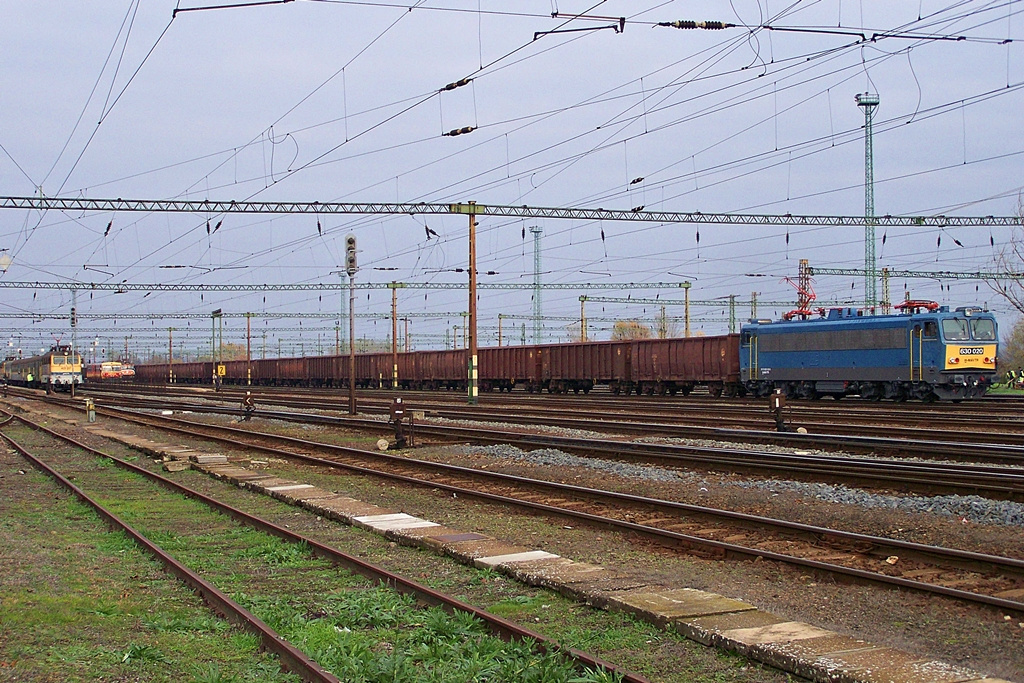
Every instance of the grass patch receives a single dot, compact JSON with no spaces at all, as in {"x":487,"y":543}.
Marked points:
{"x":360,"y":631}
{"x":379,"y":635}
{"x":81,"y":603}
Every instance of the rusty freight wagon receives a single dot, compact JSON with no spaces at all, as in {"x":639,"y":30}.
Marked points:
{"x":671,"y":366}
{"x":580,"y":366}
{"x":503,"y":367}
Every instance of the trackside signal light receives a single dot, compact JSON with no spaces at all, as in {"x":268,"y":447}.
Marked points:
{"x":350,"y":255}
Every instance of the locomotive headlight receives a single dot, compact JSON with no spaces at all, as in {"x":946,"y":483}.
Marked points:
{"x":954,"y":360}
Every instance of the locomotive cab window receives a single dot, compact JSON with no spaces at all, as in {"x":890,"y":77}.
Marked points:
{"x":983,"y":329}
{"x":955,"y":329}
{"x":931,"y":329}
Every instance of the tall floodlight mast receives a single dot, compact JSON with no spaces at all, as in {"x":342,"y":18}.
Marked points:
{"x":869,"y":101}
{"x":536,"y":231}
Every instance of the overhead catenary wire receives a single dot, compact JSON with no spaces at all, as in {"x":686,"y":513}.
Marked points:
{"x":614,"y":141}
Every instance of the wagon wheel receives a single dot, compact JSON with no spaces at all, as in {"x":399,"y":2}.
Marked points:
{"x":715,"y":390}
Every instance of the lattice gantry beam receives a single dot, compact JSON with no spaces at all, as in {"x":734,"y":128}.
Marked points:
{"x":209,"y":207}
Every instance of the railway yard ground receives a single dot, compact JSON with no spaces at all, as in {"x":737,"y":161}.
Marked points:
{"x":85,"y":604}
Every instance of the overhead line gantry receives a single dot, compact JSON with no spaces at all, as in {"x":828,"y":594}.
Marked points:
{"x":472,"y":210}
{"x":209,"y":207}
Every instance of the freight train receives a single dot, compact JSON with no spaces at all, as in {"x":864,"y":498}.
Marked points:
{"x":58,"y":368}
{"x":937,"y":354}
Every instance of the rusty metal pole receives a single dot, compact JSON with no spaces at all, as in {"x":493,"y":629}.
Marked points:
{"x":394,"y":336}
{"x":471,"y":327}
{"x":170,"y":354}
{"x":686,"y":308}
{"x":351,"y":345}
{"x":583,"y":319}
{"x":248,"y":349}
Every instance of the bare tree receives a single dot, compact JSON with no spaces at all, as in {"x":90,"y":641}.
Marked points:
{"x":1011,"y":260}
{"x":630,"y":329}
{"x":1011,"y":351}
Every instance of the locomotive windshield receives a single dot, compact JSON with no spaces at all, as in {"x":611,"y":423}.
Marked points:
{"x":983,"y":329}
{"x":955,"y":329}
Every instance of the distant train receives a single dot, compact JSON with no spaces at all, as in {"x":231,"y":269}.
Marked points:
{"x":59,"y":368}
{"x":108,"y":370}
{"x":938,"y":354}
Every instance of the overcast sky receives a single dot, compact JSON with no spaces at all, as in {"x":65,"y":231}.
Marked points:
{"x":339,"y":101}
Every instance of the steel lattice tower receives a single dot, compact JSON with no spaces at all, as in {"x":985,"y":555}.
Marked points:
{"x":535,"y":231}
{"x":869,"y":101}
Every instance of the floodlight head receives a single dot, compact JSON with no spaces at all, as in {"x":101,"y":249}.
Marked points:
{"x":867,"y":99}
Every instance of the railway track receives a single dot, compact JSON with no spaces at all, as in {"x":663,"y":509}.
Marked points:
{"x":295,"y":660}
{"x":929,"y":477}
{"x":988,"y":407}
{"x":972,"y":577}
{"x":752,"y":423}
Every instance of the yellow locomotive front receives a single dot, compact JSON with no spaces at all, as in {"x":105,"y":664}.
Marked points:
{"x":64,"y":368}
{"x":970,"y":342}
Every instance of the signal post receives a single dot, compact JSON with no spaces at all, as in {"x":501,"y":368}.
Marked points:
{"x":474,"y":389}
{"x":351,"y":268}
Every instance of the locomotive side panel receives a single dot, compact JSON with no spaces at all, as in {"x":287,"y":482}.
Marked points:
{"x":890,"y":356}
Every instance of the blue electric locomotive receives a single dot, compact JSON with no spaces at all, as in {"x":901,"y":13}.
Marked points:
{"x":937,"y":354}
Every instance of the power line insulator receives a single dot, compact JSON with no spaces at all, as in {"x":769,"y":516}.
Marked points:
{"x":456,"y":84}
{"x":707,"y":25}
{"x":459,"y":131}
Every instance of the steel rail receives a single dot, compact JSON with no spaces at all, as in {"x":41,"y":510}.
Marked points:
{"x":661,"y":535}
{"x":503,"y":628}
{"x":990,"y":447}
{"x":1003,"y":482}
{"x":291,"y":657}
{"x":991,"y":480}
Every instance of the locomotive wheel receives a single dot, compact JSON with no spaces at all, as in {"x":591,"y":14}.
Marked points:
{"x":871,"y":392}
